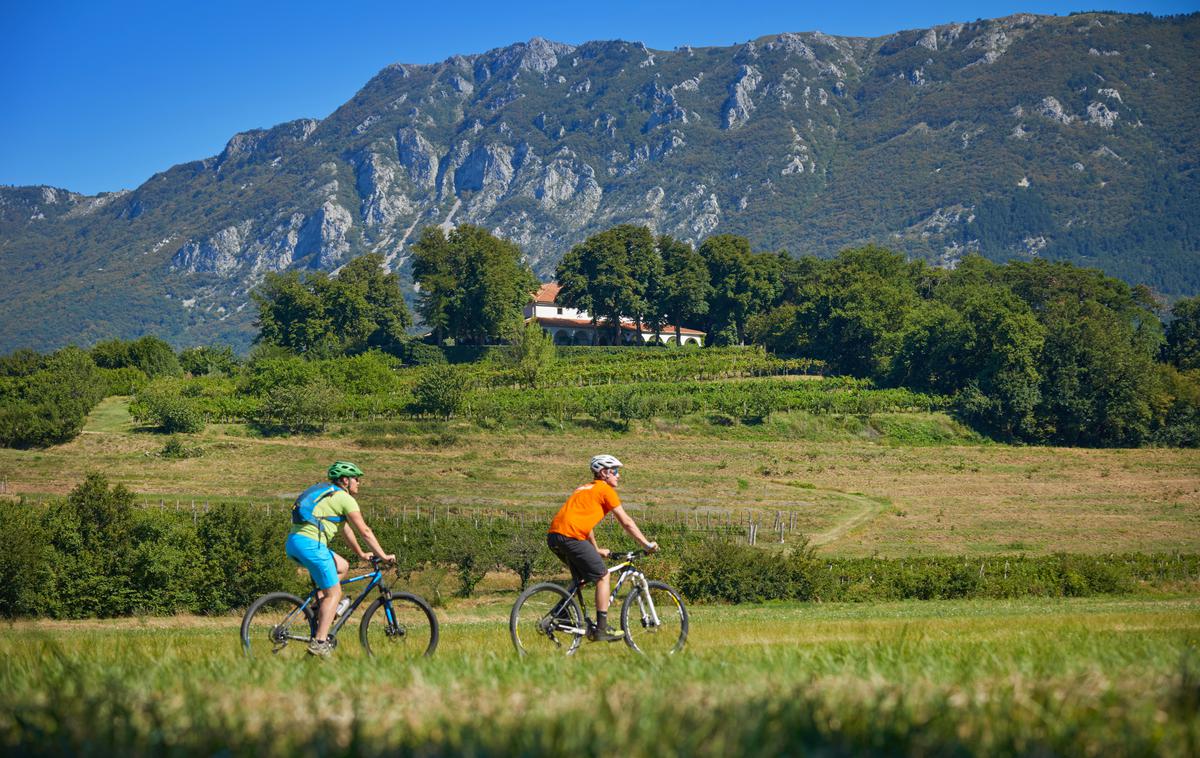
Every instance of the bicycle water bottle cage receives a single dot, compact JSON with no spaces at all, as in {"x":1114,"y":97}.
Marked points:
{"x":302,"y":509}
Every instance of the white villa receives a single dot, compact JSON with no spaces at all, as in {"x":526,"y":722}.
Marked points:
{"x":569,"y":326}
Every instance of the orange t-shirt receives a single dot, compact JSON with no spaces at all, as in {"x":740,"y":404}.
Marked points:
{"x":586,"y":506}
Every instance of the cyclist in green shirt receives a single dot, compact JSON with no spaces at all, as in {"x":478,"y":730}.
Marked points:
{"x":308,"y":545}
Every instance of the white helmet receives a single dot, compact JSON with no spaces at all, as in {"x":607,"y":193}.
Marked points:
{"x":601,"y":462}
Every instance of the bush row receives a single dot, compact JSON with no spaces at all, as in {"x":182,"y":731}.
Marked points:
{"x":44,"y":400}
{"x":727,"y":572}
{"x":445,"y":391}
{"x":749,"y":400}
{"x":97,"y":554}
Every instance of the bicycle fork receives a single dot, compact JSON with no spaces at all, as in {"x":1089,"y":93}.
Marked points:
{"x":645,"y":602}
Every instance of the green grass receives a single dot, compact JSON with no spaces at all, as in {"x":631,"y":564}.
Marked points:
{"x":961,"y":498}
{"x":111,"y":415}
{"x":1096,"y":676}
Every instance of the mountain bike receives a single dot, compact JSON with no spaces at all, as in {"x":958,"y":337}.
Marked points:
{"x":549,"y":619}
{"x":397,"y":625}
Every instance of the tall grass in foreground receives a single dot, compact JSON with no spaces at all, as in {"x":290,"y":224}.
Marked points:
{"x":1084,"y":677}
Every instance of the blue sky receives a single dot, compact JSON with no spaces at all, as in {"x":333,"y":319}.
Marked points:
{"x":98,"y":96}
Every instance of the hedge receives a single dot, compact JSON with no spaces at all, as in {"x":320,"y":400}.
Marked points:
{"x":97,"y":554}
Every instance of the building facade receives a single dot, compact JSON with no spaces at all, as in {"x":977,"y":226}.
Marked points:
{"x":570,"y":326}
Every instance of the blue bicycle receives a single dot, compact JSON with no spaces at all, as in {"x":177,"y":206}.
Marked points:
{"x":397,"y":625}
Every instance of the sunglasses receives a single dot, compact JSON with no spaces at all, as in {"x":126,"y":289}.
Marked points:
{"x":614,"y":471}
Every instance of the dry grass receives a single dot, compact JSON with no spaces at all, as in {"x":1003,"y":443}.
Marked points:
{"x":857,"y":496}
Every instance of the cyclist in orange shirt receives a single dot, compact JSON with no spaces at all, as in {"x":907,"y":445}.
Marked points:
{"x":572,"y":534}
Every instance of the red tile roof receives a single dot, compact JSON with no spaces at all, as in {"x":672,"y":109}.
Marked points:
{"x":547,"y":293}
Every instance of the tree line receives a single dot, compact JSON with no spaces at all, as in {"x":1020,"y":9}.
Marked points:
{"x":1029,"y":351}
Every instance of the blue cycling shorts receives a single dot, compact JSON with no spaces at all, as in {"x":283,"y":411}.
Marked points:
{"x":315,"y":557}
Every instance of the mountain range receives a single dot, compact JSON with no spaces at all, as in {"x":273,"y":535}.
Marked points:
{"x":1071,"y":138}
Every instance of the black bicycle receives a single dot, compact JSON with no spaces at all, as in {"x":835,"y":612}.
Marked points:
{"x":549,"y":619}
{"x":397,"y":625}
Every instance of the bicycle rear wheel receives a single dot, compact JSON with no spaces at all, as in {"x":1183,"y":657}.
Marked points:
{"x":402,"y":628}
{"x":546,"y":620}
{"x":642,"y":632}
{"x":275,"y":623}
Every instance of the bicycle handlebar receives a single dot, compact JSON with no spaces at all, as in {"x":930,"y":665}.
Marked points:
{"x":629,"y":555}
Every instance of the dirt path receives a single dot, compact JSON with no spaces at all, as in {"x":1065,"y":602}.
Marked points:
{"x":870,"y":509}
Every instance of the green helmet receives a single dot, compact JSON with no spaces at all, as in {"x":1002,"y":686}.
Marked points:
{"x":343,"y":468}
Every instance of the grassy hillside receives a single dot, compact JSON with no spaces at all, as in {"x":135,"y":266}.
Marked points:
{"x":886,"y":484}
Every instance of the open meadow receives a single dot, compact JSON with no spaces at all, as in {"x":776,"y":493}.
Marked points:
{"x":1106,"y":674}
{"x":1100,"y":676}
{"x":891,"y":485}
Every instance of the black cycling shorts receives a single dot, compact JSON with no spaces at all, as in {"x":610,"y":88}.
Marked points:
{"x":579,"y":555}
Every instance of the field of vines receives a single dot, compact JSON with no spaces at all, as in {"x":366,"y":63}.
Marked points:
{"x":734,"y":383}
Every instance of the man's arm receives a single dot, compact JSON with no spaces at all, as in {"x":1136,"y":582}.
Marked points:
{"x":627,"y":523}
{"x":603,"y":551}
{"x":355,"y":519}
{"x":353,"y":541}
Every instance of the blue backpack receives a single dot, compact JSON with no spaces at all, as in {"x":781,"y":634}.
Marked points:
{"x":302,"y":509}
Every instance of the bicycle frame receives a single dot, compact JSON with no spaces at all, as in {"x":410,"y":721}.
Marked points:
{"x":628,"y":573}
{"x":376,"y":579}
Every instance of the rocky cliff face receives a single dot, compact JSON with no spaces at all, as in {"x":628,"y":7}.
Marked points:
{"x":943,"y":141}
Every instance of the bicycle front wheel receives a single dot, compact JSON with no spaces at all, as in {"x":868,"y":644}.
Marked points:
{"x":276,"y":623}
{"x":655,"y":623}
{"x":546,"y":620}
{"x":403,"y":627}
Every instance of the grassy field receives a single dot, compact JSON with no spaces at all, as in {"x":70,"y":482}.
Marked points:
{"x":1084,"y":677}
{"x":1101,"y":675}
{"x":892,"y":485}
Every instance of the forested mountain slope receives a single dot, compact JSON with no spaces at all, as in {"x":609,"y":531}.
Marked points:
{"x":1069,"y":138}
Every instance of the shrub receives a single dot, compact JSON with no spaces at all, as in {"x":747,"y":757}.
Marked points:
{"x":49,"y":405}
{"x":91,"y":535}
{"x":206,"y":361}
{"x":166,"y":563}
{"x":300,"y":408}
{"x":25,"y":563}
{"x":442,"y":392}
{"x":417,"y":353}
{"x":726,"y":571}
{"x":177,"y":450}
{"x":151,"y":355}
{"x":25,"y":424}
{"x":530,"y":355}
{"x":243,"y":558}
{"x":161,"y":405}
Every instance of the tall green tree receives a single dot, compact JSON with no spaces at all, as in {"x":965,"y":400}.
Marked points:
{"x":319,"y":316}
{"x":855,"y":309}
{"x":742,"y":284}
{"x":683,"y":295}
{"x":369,"y":306}
{"x":611,"y":275}
{"x":1098,"y":377}
{"x":473,"y":285}
{"x":292,"y":313}
{"x":436,"y":274}
{"x":1183,"y":334}
{"x":150,"y":354}
{"x":978,"y":341}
